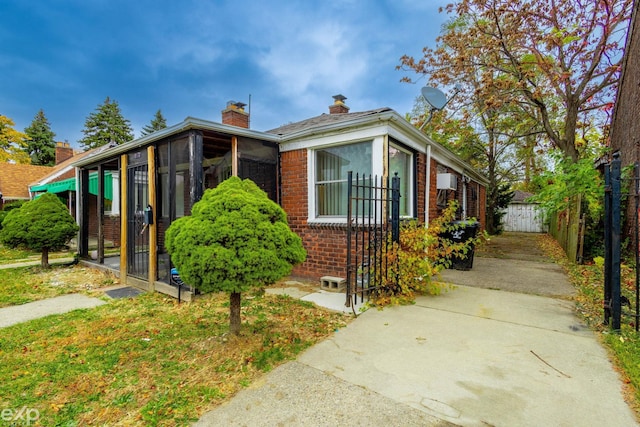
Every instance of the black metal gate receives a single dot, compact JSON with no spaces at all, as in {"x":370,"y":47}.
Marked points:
{"x":137,"y":231}
{"x":614,"y":299}
{"x":373,"y":214}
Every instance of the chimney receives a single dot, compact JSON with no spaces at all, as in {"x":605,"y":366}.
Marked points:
{"x":63,"y":152}
{"x":338,"y":106}
{"x":235,"y":115}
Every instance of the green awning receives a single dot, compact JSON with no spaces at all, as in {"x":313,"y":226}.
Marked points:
{"x":70,"y":185}
{"x":108,"y":185}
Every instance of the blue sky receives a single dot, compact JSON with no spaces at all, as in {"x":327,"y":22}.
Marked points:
{"x":189,"y":57}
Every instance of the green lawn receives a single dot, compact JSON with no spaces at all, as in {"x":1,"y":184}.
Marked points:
{"x":141,"y":361}
{"x":27,"y":284}
{"x":8,"y":255}
{"x":148,"y":360}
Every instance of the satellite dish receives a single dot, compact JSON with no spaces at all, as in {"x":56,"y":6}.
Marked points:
{"x":434,"y":97}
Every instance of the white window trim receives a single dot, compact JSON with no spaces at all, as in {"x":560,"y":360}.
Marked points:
{"x":115,"y":203}
{"x":411,"y":175}
{"x":377,"y":147}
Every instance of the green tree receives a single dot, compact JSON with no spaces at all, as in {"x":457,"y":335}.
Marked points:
{"x":236,"y":239}
{"x":560,"y":59}
{"x":106,"y":125}
{"x":12,"y":142}
{"x":9,"y":207}
{"x":158,"y":122}
{"x":41,"y":146}
{"x":43,"y":224}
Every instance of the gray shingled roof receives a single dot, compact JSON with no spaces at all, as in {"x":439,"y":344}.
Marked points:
{"x":322,"y":120}
{"x":520,"y":196}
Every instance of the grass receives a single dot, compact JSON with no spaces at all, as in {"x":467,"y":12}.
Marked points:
{"x":144,"y":361}
{"x":148,"y":360}
{"x":27,"y":284}
{"x":9,"y":255}
{"x":623,"y":345}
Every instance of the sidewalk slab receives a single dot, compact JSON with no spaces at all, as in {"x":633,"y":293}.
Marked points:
{"x":34,"y":263}
{"x":477,"y":357}
{"x":515,"y":275}
{"x":37,"y":309}
{"x":295,"y":395}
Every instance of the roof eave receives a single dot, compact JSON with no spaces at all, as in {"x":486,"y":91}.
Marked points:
{"x":187,"y":124}
{"x":388,"y":116}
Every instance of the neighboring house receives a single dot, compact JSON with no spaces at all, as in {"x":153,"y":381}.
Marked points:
{"x":625,"y":126}
{"x":61,"y":180}
{"x":302,"y":166}
{"x":15,"y":179}
{"x":522,"y":215}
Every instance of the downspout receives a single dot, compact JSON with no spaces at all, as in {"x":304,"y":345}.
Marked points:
{"x":427,"y":192}
{"x":464,"y":197}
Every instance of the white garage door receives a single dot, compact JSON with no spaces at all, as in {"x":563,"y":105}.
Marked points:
{"x":523,"y":217}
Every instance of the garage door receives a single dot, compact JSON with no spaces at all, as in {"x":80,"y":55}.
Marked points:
{"x":523,"y":217}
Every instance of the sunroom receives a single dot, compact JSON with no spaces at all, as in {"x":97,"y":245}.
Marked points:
{"x":161,"y":176}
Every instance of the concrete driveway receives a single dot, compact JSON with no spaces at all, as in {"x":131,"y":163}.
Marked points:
{"x":514,"y":262}
{"x":479,"y":355}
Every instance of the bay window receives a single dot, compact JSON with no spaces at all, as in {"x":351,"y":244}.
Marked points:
{"x":331,"y":167}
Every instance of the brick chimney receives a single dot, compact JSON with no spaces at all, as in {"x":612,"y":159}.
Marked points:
{"x":338,"y":106}
{"x":235,"y":115}
{"x":63,"y":152}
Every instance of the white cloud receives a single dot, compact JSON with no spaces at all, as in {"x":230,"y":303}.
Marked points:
{"x":321,"y":57}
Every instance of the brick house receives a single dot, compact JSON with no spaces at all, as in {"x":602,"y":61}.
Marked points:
{"x":61,"y":180}
{"x":625,"y":127}
{"x":15,"y":179}
{"x":302,"y":166}
{"x":377,"y":142}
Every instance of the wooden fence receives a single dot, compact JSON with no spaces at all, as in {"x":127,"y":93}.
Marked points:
{"x":567,"y":227}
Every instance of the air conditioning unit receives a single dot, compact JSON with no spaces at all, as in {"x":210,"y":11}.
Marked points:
{"x":447,"y":181}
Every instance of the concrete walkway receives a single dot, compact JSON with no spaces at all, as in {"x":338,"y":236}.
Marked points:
{"x":33,"y":263}
{"x":475,"y":356}
{"x":470,"y":357}
{"x":37,"y":309}
{"x":478,"y":355}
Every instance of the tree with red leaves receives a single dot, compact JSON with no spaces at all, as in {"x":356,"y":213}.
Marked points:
{"x":558,"y":59}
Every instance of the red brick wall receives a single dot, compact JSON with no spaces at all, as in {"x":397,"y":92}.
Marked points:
{"x":434,"y":211}
{"x":325,"y":245}
{"x":625,"y":126}
{"x":111,"y":223}
{"x":476,"y":207}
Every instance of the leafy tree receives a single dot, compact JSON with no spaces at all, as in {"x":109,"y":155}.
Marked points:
{"x":158,"y":122}
{"x":12,"y":142}
{"x":9,"y":207}
{"x":560,"y":59}
{"x":484,"y":131}
{"x":43,"y":224}
{"x":557,"y":191}
{"x":106,"y":125}
{"x":413,"y":264}
{"x":41,"y":146}
{"x":236,"y":239}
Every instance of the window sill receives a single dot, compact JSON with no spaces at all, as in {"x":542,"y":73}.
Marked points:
{"x":329,"y":223}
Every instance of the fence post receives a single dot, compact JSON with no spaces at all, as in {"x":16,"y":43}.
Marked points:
{"x":607,"y":243}
{"x":636,"y":197}
{"x":615,"y":241}
{"x":349,"y":216}
{"x":395,"y":208}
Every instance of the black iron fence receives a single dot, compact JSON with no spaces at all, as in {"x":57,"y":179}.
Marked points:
{"x":373,"y":214}
{"x":616,"y":303}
